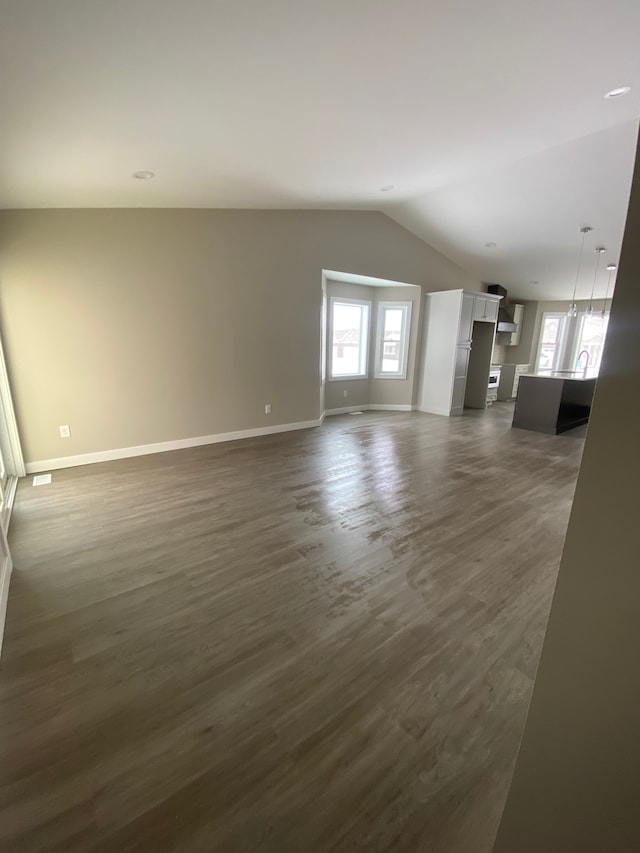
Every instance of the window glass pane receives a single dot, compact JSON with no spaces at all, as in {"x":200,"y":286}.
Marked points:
{"x":393,"y":324}
{"x":348,"y":338}
{"x":594,"y":332}
{"x":547,"y":355}
{"x":391,"y":340}
{"x":551,"y":330}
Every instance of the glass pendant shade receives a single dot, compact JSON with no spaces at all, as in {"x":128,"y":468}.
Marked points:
{"x":611,"y":268}
{"x":599,"y":251}
{"x":573,"y":308}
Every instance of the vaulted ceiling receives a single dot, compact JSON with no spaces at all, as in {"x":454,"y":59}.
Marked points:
{"x":487,"y":119}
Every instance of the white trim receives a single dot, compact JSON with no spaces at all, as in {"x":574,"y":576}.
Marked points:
{"x":405,"y":306}
{"x":10,"y":494}
{"x":345,"y":410}
{"x":162,"y":446}
{"x":371,"y":407}
{"x":14,"y":465}
{"x":391,"y":407}
{"x":444,"y":412}
{"x":5,"y":579}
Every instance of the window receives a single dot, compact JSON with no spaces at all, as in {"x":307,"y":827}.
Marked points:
{"x":552,"y":338}
{"x":349,"y":338}
{"x":392,"y":340}
{"x":589,"y":343}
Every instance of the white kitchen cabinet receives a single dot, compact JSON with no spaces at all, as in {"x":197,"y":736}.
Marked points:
{"x":510,"y":379}
{"x":455,"y":357}
{"x":486,"y":308}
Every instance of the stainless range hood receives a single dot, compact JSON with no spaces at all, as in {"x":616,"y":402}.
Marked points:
{"x":505,"y":318}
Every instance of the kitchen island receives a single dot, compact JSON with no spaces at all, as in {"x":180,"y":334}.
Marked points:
{"x":553,"y":402}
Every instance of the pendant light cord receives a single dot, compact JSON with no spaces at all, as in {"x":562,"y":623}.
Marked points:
{"x":585,"y":231}
{"x":599,"y":251}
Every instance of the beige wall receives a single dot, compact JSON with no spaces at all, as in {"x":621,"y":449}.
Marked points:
{"x":143,"y":326}
{"x":576,"y":785}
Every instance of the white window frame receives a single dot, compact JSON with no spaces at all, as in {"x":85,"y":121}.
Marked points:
{"x":560,"y":346}
{"x":323,"y":338}
{"x":401,"y":373}
{"x":364,"y":342}
{"x":576,"y":348}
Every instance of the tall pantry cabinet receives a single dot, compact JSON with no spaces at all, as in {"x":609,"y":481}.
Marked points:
{"x":458,"y":336}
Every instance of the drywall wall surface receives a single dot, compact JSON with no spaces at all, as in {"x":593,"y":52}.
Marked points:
{"x":143,"y":326}
{"x":397,"y":392}
{"x":576,"y":785}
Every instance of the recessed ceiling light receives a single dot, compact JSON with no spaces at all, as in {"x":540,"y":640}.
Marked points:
{"x":611,"y":267}
{"x":490,"y":245}
{"x":144,"y":175}
{"x":386,"y":189}
{"x":616,"y":93}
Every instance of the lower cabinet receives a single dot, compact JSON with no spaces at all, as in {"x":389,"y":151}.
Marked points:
{"x":509,"y":380}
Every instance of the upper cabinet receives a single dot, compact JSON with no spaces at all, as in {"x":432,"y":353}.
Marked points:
{"x":486,"y":308}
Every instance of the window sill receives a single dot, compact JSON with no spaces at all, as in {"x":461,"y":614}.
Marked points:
{"x":349,"y":377}
{"x":389,"y":376}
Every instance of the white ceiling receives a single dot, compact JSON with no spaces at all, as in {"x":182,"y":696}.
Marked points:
{"x":366,"y":280}
{"x":487,"y":118}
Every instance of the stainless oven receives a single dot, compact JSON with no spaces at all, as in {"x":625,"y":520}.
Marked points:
{"x":494,"y":381}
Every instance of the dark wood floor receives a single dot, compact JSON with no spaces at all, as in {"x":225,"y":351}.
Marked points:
{"x":318,"y":641}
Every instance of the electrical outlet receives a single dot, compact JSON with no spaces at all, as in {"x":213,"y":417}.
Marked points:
{"x":267,"y":408}
{"x":65,"y":431}
{"x":345,"y":393}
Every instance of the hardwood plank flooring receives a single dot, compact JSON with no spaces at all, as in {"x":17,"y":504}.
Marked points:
{"x":316,"y":642}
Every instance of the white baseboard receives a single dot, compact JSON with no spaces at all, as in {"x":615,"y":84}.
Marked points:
{"x":345,"y":410}
{"x":162,"y":447}
{"x":444,"y":412}
{"x":9,"y":499}
{"x":5,"y":578}
{"x":391,"y":407}
{"x":371,"y":407}
{"x":41,"y":465}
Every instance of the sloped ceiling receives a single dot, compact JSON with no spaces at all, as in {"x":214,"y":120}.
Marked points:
{"x":532,"y":209}
{"x":488,"y":119}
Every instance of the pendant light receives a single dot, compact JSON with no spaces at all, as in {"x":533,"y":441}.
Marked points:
{"x":573,"y":308}
{"x":611,"y":268}
{"x":599,"y":251}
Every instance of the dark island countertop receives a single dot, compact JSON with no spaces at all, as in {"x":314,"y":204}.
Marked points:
{"x":573,"y":375}
{"x":553,"y":402}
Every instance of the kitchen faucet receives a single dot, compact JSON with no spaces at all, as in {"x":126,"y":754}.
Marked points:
{"x":586,"y":364}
